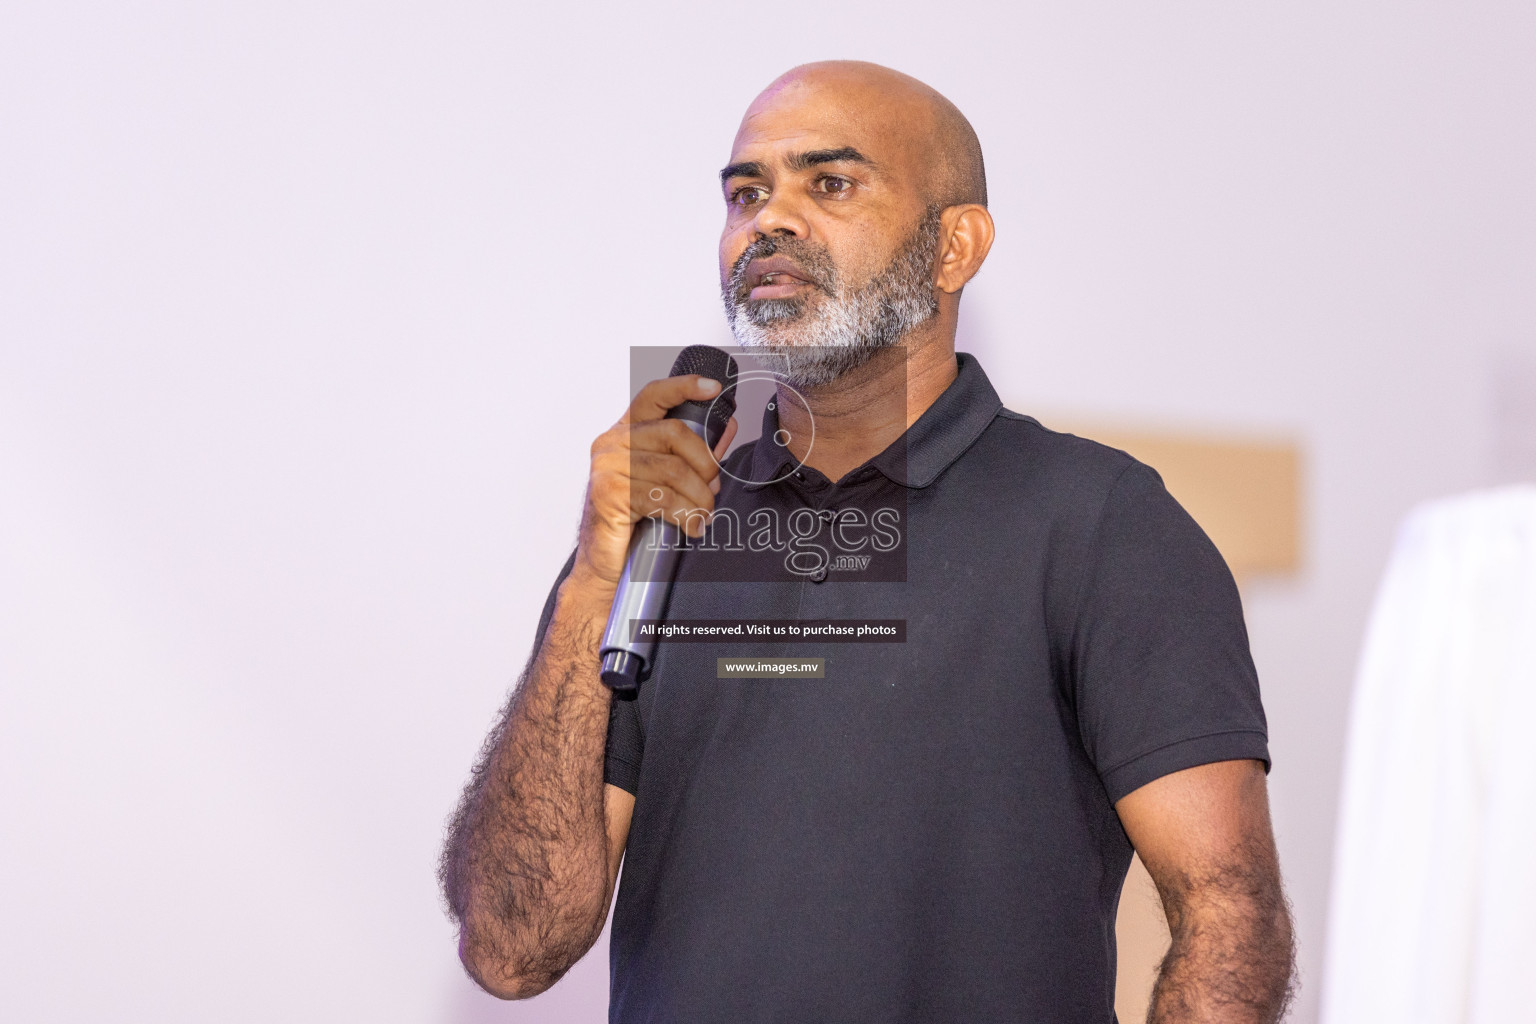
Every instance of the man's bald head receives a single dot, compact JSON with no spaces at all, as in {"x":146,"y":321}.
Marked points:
{"x":937,"y":137}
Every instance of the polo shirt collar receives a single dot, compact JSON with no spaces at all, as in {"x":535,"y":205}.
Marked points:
{"x":915,"y":459}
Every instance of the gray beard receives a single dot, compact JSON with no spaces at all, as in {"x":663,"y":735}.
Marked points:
{"x":815,"y":345}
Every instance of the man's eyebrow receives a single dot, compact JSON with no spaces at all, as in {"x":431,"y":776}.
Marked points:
{"x":750,"y":169}
{"x":797,"y":162}
{"x":845,"y":154}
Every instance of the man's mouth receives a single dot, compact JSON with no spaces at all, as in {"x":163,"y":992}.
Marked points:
{"x":775,"y":278}
{"x":776,"y":286}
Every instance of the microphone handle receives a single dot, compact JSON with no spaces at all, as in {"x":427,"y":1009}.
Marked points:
{"x":654,"y":550}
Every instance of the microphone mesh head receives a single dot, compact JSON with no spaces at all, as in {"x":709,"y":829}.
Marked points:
{"x":708,"y":361}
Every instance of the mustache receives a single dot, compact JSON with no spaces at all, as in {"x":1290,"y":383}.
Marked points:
{"x":812,"y":259}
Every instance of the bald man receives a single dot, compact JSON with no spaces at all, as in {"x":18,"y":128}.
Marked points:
{"x":936,"y":829}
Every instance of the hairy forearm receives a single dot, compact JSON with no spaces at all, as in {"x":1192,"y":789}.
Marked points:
{"x":525,"y":870}
{"x":1232,"y":958}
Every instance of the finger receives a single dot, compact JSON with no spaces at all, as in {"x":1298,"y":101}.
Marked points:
{"x":663,"y":503}
{"x":670,"y":475}
{"x":622,"y":480}
{"x":658,"y":396}
{"x":674,"y":509}
{"x":676,"y":438}
{"x":627,"y":486}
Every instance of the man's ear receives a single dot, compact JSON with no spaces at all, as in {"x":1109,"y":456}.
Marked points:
{"x":967,"y":231}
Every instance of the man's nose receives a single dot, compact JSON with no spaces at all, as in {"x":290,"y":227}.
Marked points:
{"x":780,"y":215}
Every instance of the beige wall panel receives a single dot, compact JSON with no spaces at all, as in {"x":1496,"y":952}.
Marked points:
{"x":1244,"y":493}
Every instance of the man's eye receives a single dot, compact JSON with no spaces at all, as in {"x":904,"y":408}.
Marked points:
{"x":747,"y":195}
{"x":833,"y":184}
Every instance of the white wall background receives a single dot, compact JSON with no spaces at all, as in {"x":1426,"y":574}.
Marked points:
{"x":308,"y":313}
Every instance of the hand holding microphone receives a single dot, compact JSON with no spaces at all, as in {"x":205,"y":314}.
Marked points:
{"x":649,"y":471}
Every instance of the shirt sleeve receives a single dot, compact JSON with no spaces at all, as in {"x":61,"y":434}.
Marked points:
{"x":621,"y":766}
{"x":1162,"y":675}
{"x":621,"y":760}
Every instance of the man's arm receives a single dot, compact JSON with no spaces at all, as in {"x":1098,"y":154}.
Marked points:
{"x":1204,"y":834}
{"x":532,"y":857}
{"x":535,"y":845}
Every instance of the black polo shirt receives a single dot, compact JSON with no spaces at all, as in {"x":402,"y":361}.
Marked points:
{"x":927,"y":832}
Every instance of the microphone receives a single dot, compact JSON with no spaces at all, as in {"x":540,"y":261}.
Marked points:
{"x":656,"y":545}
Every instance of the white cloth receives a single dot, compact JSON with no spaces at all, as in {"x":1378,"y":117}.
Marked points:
{"x":1433,"y":912}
